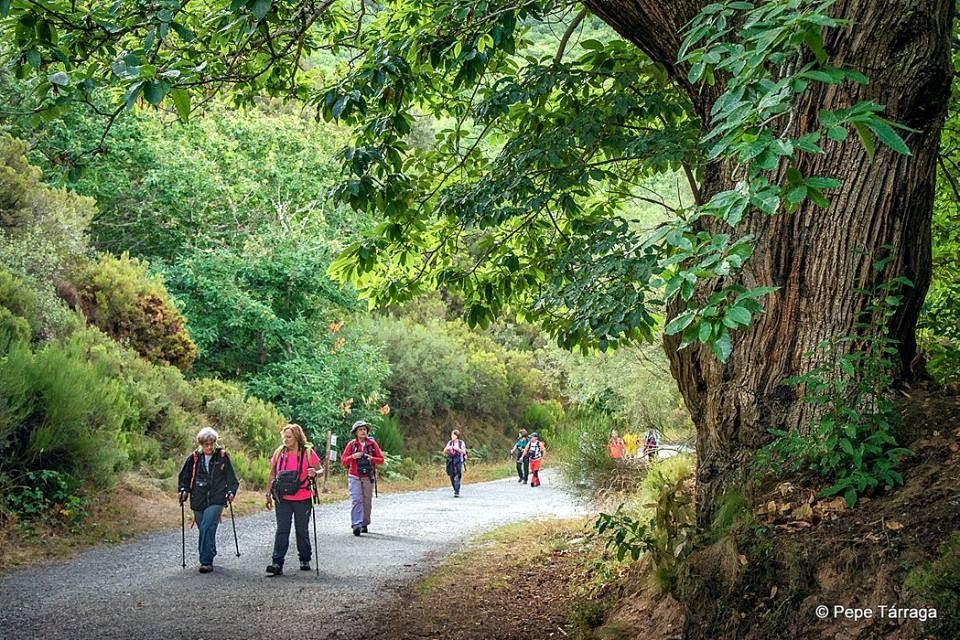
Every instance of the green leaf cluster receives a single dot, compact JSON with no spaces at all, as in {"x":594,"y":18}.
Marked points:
{"x":850,"y":442}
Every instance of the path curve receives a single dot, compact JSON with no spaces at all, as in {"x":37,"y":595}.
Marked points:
{"x":139,"y":591}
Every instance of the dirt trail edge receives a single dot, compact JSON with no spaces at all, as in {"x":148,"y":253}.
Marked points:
{"x":139,"y":591}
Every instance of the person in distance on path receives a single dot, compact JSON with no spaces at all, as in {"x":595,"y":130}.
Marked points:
{"x":523,"y":465}
{"x":456,"y":453}
{"x":631,"y":445}
{"x":361,"y":458}
{"x":293,"y":465}
{"x":207,"y":478}
{"x":535,"y":452}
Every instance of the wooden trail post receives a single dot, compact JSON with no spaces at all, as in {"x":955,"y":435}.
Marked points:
{"x":326,"y":466}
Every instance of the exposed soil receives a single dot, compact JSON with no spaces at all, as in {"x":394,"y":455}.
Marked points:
{"x":519,"y":584}
{"x":816,"y":553}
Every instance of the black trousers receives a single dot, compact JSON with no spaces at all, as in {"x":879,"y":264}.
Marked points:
{"x":299,"y":512}
{"x":523,"y":469}
{"x":455,"y":471}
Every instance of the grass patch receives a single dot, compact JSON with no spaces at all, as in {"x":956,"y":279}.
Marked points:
{"x":519,"y":580}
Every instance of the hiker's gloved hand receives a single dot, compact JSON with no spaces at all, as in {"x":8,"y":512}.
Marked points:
{"x":230,"y":498}
{"x":183,"y":496}
{"x":312,"y":473}
{"x":357,"y":455}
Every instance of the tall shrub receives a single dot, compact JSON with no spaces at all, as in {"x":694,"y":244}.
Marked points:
{"x":59,"y":412}
{"x":118,"y":296}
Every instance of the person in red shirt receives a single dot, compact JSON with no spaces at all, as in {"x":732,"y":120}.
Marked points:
{"x":361,"y":458}
{"x":302,"y":464}
{"x":616,"y":447}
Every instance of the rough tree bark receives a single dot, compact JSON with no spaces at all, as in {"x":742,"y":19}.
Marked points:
{"x":903,"y":46}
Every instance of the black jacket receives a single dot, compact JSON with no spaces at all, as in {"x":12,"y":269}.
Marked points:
{"x":211,"y":487}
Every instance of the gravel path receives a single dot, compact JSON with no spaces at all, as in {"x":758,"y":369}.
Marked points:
{"x":139,"y":591}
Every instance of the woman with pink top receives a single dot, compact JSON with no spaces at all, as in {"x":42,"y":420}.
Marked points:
{"x":292,"y":468}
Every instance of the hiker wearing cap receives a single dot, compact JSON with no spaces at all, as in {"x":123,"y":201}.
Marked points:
{"x":455,"y":453}
{"x":361,"y":457}
{"x":208,"y":479}
{"x":523,"y":465}
{"x":292,"y":468}
{"x":535,"y":452}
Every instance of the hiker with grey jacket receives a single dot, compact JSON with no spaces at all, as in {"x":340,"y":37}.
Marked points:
{"x":208,"y":480}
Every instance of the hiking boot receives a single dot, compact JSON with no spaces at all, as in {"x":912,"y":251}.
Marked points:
{"x":275,"y":570}
{"x":356,"y":531}
{"x":205,"y":568}
{"x":456,"y":494}
{"x":304,"y":566}
{"x":363,"y":529}
{"x":520,"y":480}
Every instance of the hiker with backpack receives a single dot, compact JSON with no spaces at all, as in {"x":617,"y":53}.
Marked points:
{"x":293,"y":467}
{"x":651,"y":444}
{"x":208,"y":480}
{"x":361,"y":457}
{"x":523,"y":464}
{"x":535,"y":452}
{"x":455,"y":453}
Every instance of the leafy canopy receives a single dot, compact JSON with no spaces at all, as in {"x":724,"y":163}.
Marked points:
{"x":522,"y":199}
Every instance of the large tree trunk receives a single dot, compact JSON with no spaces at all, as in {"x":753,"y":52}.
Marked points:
{"x":814,"y":255}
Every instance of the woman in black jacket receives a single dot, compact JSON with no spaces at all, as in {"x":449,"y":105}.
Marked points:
{"x":208,"y":479}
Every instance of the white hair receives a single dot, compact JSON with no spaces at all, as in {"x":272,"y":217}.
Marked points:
{"x":206,"y":434}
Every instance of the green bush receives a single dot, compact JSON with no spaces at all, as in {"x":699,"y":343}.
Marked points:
{"x":938,"y":584}
{"x":326,"y":388}
{"x":159,"y":399}
{"x":386,"y":430}
{"x":13,"y":329}
{"x":43,"y":230}
{"x":668,"y":535}
{"x":488,"y":391}
{"x":253,"y":472}
{"x":540,"y":417}
{"x":59,"y":412}
{"x":427,"y":366}
{"x":118,"y":296}
{"x":409,"y":468}
{"x":46,"y":494}
{"x":141,"y":449}
{"x":850,"y":443}
{"x":631,"y":386}
{"x":256,"y":422}
{"x":478,"y":454}
{"x":438,"y":367}
{"x":18,"y":314}
{"x":581,"y":444}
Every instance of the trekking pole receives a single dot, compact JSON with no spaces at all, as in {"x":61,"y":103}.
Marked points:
{"x":233,"y":520}
{"x":313,"y":512}
{"x":183,"y":535}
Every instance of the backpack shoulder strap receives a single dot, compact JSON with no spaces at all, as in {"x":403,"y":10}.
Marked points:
{"x":193,"y":472}
{"x":275,"y":459}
